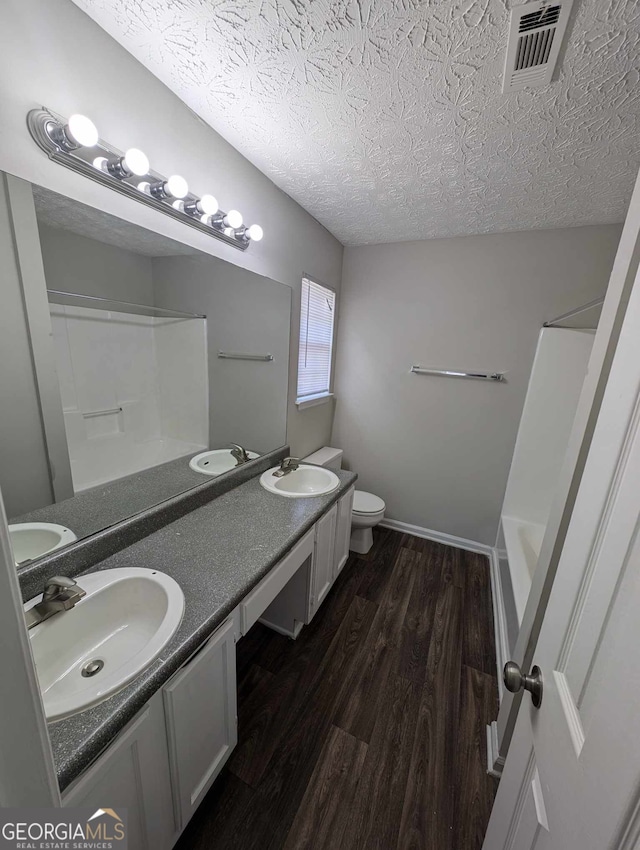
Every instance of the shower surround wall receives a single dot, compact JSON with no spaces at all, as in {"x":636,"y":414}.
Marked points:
{"x":134,"y":390}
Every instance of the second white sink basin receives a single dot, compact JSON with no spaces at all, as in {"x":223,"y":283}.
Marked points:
{"x":216,"y":461}
{"x":305,"y":481}
{"x":30,"y":540}
{"x":120,"y":627}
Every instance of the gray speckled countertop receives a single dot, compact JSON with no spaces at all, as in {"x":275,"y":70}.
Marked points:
{"x":217,"y":554}
{"x":100,"y":507}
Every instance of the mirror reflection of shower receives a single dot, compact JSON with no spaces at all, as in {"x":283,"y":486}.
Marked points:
{"x":133,"y":383}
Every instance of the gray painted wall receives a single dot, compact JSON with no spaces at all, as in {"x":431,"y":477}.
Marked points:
{"x":247,"y":313}
{"x":51,"y":53}
{"x":73,"y":263}
{"x":438,"y":450}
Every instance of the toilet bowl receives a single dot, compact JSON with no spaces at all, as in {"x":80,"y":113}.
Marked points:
{"x":368,"y":510}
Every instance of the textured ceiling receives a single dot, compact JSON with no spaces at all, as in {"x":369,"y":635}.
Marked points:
{"x":66,"y":214}
{"x":385,"y":118}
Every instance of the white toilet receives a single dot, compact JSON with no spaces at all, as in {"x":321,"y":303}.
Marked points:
{"x":368,"y":510}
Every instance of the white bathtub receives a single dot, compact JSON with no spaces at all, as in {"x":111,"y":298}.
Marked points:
{"x":523,"y":541}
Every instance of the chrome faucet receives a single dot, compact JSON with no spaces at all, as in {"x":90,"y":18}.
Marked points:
{"x":239,"y":453}
{"x":289,"y":464}
{"x":60,"y":594}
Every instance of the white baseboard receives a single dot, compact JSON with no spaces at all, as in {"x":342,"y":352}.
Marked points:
{"x":499,"y":619}
{"x":438,"y":536}
{"x":495,"y":762}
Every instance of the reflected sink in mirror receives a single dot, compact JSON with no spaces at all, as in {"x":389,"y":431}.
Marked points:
{"x":89,"y":652}
{"x":216,"y":461}
{"x":301,"y":483}
{"x":30,"y":540}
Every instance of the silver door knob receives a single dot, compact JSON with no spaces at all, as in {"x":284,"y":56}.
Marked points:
{"x":515,"y":680}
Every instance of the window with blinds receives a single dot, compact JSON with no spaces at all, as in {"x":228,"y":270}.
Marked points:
{"x":317,"y":319}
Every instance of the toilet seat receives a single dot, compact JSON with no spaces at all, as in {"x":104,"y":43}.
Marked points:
{"x":366,"y":503}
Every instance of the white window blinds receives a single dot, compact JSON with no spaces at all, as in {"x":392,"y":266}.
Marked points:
{"x":317,"y":315}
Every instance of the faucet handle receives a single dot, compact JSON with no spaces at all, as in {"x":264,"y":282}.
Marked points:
{"x":56,"y":584}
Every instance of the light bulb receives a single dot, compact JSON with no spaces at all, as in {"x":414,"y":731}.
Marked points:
{"x":233,"y":219}
{"x":79,"y":132}
{"x":145,"y":187}
{"x":178,"y":205}
{"x":208,"y":204}
{"x":136,"y":162}
{"x":133,"y":162}
{"x":255,"y":232}
{"x":177,"y":186}
{"x":82,"y":130}
{"x":204,"y":207}
{"x":100,"y":162}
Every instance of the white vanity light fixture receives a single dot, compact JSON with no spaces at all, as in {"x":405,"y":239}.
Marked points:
{"x":75,"y":143}
{"x":78,"y":132}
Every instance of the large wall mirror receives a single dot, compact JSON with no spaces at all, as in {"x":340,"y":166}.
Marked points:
{"x":146,"y":361}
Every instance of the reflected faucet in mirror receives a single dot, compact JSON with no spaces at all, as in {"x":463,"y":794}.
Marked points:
{"x":60,"y":594}
{"x":239,"y":453}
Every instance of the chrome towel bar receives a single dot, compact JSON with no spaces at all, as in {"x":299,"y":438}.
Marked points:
{"x":91,"y":414}
{"x":227,"y":355}
{"x":450,"y":373}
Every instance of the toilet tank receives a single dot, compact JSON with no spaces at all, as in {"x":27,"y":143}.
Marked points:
{"x":326,"y":456}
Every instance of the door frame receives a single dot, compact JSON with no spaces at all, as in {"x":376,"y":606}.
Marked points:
{"x":27,"y":771}
{"x":621,"y":281}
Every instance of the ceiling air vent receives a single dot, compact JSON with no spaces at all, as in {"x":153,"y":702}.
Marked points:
{"x":535,"y":37}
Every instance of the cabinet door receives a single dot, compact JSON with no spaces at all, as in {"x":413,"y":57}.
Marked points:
{"x":343,"y":530}
{"x":202,"y":726}
{"x":323,"y":559}
{"x":133,"y":774}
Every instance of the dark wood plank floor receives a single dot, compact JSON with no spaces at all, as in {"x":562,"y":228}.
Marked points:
{"x":368,"y":731}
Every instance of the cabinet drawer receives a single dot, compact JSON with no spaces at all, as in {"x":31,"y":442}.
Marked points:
{"x":255,"y":604}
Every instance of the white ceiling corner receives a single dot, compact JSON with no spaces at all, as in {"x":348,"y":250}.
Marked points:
{"x":385,"y":118}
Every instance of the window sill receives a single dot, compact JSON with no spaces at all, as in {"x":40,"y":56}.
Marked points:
{"x":313,"y":400}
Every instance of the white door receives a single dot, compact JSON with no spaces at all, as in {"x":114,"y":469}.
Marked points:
{"x":572,"y":775}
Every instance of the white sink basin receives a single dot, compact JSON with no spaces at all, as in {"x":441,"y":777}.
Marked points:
{"x":124,"y":622}
{"x":303,"y":482}
{"x":31,"y":540}
{"x":216,"y":461}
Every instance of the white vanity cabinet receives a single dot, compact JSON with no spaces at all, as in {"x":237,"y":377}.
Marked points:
{"x":323,"y":563}
{"x":343,"y":531}
{"x":133,"y":774}
{"x":165,"y":760}
{"x":202,"y":723}
{"x":333,"y":531}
